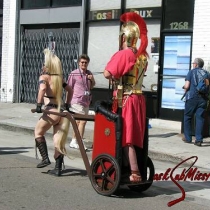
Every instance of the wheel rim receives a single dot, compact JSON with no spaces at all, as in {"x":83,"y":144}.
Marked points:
{"x":105,"y":174}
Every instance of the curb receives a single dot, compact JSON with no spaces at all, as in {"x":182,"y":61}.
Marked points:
{"x":17,"y":128}
{"x":30,"y":131}
{"x":154,"y":155}
{"x":167,"y":157}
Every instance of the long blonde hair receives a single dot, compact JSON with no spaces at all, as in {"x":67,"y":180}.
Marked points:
{"x":54,"y":67}
{"x":62,"y":136}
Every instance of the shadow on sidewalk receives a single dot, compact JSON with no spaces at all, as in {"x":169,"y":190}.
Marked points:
{"x":13,"y":150}
{"x":72,"y":172}
{"x":164,"y":135}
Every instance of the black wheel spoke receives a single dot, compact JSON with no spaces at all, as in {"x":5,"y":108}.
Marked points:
{"x":110,"y":168}
{"x":97,"y":175}
{"x":102,"y":166}
{"x":110,"y":180}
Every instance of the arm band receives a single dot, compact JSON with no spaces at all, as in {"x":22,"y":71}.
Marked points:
{"x":42,"y":82}
{"x":64,"y":85}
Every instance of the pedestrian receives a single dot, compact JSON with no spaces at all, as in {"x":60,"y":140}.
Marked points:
{"x":51,"y":84}
{"x":82,"y":81}
{"x":126,"y":69}
{"x":196,"y":102}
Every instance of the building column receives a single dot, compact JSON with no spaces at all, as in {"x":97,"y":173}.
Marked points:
{"x":8,"y":67}
{"x":201,"y":32}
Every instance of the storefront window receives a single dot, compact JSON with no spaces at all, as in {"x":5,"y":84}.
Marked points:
{"x":28,"y":4}
{"x":58,"y":3}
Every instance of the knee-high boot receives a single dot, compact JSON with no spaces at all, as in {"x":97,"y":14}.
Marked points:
{"x":58,"y":166}
{"x":42,"y":146}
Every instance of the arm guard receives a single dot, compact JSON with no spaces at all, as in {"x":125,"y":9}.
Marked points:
{"x":64,"y":84}
{"x":39,"y":108}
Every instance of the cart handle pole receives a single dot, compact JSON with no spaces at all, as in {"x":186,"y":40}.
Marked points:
{"x":71,"y":118}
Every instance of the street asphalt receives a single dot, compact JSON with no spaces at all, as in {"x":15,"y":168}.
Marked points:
{"x":165,"y":138}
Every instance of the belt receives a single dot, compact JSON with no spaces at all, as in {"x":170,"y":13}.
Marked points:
{"x":136,"y":92}
{"x":52,"y":105}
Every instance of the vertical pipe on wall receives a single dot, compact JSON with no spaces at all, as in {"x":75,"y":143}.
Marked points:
{"x":83,"y":28}
{"x":18,"y":55}
{"x":86,"y":9}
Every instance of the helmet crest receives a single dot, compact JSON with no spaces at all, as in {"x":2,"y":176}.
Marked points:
{"x":134,"y":28}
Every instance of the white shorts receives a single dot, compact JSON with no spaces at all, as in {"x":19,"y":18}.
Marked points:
{"x":77,"y":108}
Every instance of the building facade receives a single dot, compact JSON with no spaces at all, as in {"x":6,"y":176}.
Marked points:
{"x":85,"y":26}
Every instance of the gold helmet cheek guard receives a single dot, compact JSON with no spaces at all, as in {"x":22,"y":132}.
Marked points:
{"x":130,"y":34}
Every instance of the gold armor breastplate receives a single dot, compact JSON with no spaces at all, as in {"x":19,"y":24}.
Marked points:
{"x":133,"y":80}
{"x":131,"y":83}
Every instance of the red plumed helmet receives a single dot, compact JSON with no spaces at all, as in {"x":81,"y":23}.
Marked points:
{"x":134,"y":28}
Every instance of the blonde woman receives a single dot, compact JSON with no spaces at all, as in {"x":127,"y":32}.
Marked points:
{"x":51,"y":84}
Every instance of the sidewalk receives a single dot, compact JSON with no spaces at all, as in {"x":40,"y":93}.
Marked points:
{"x":164,"y":136}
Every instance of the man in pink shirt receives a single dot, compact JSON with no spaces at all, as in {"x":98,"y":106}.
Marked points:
{"x":126,"y":70}
{"x":82,"y":81}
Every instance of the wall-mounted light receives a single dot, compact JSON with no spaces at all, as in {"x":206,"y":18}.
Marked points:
{"x":154,"y":87}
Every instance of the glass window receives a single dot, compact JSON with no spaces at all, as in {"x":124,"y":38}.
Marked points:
{"x":28,"y":4}
{"x":57,"y":3}
{"x":1,"y":4}
{"x":176,"y":65}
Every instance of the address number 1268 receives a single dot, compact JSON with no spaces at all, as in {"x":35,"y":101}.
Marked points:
{"x":179,"y":25}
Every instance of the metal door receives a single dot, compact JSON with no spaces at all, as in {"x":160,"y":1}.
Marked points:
{"x":33,"y":42}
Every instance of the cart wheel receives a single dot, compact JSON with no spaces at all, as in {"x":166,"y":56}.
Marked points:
{"x":105,"y":174}
{"x":150,"y":174}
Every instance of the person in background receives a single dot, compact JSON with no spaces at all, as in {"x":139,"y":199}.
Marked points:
{"x":126,"y":70}
{"x":82,"y":81}
{"x":51,"y":84}
{"x":196,"y":102}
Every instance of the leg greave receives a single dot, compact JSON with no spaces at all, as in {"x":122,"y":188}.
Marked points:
{"x":42,"y":146}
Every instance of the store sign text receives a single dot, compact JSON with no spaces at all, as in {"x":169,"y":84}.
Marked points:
{"x":104,"y":15}
{"x":144,"y":13}
{"x":150,"y":12}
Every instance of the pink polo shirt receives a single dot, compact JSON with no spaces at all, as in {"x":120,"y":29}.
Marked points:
{"x":78,"y":81}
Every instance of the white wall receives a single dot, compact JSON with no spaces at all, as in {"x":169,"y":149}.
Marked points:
{"x":142,"y":3}
{"x":102,"y":44}
{"x":201,"y":32}
{"x":103,"y":5}
{"x":8,"y":50}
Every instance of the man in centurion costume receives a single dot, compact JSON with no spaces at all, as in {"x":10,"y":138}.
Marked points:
{"x":126,"y":70}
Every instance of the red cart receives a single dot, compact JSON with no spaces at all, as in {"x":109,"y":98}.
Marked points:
{"x":107,"y":166}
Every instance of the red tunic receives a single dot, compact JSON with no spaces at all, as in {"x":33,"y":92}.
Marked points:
{"x":134,"y":110}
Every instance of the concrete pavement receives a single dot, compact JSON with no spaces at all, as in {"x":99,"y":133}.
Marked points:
{"x":164,"y":136}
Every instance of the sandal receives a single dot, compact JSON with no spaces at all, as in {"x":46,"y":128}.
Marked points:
{"x":135,"y":177}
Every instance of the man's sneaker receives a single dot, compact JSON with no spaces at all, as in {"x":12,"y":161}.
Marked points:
{"x":73,"y":144}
